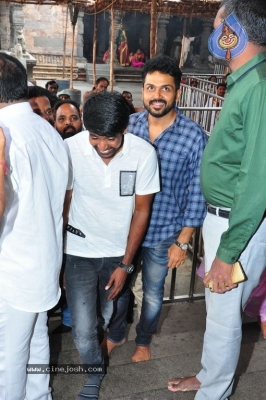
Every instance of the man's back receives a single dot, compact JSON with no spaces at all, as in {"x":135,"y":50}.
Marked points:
{"x":31,"y":229}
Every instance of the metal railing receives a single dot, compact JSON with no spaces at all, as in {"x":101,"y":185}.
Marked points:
{"x":201,"y":106}
{"x":196,"y":252}
{"x":197,"y":104}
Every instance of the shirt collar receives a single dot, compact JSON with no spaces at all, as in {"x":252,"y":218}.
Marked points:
{"x":234,"y":76}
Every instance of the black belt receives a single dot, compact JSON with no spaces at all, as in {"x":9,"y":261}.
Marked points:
{"x":218,"y":211}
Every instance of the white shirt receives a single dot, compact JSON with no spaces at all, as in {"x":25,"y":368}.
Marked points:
{"x":104,"y":195}
{"x":31,"y":228}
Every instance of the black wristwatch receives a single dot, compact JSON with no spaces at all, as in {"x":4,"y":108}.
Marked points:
{"x":183,"y":246}
{"x":128,"y":268}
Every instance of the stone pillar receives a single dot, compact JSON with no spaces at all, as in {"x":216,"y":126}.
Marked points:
{"x":161,"y":33}
{"x":17,"y":26}
{"x":4,"y":25}
{"x":80,"y":33}
{"x":204,"y":51}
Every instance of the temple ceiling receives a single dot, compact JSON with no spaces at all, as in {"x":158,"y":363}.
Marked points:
{"x":182,"y":8}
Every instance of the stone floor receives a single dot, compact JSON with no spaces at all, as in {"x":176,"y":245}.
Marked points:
{"x":176,"y":351}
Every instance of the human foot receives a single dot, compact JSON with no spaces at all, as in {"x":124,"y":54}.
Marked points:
{"x":184,"y":384}
{"x":107,"y":346}
{"x":263,"y":328}
{"x":142,"y":353}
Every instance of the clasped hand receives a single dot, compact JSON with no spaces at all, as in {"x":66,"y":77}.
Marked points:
{"x":220,"y":275}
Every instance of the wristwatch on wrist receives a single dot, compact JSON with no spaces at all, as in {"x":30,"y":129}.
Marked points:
{"x":183,"y":246}
{"x":128,"y":268}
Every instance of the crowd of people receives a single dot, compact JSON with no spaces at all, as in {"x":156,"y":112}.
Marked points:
{"x":121,"y":185}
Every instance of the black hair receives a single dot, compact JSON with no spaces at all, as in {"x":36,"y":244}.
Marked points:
{"x":38,"y":91}
{"x":126,"y":91}
{"x":106,"y":113}
{"x":51,"y":83}
{"x":59,"y":103}
{"x":102,"y":78}
{"x":165,"y":65}
{"x":13,"y":79}
{"x":130,"y":105}
{"x":212,"y":76}
{"x":221,"y":84}
{"x":252,"y":16}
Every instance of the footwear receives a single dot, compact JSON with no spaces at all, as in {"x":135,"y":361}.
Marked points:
{"x":91,"y":389}
{"x":107,"y":345}
{"x":188,"y":384}
{"x":142,"y":353}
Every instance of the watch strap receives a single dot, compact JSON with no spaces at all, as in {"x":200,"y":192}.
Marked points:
{"x":182,"y":246}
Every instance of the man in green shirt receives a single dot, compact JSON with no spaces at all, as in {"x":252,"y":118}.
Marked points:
{"x":233,"y":181}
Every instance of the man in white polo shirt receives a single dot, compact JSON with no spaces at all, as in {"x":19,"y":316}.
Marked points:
{"x":115,"y":175}
{"x":30,"y":239}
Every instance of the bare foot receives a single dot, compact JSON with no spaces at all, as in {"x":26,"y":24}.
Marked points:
{"x":184,"y":384}
{"x":142,"y":353}
{"x":263,"y":328}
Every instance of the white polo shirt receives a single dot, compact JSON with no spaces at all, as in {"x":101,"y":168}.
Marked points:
{"x":31,"y":228}
{"x":104,"y":195}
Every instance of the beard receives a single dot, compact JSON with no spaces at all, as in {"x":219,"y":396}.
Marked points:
{"x":159,"y":113}
{"x":69,"y":131}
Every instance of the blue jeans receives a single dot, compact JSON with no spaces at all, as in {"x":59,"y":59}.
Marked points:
{"x":86,"y":279}
{"x":154,"y":272}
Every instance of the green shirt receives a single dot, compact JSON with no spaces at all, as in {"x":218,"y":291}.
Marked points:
{"x":233,"y":169}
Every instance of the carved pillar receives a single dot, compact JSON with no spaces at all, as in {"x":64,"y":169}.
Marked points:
{"x":4,"y":25}
{"x":17,"y":25}
{"x":80,"y":34}
{"x":161,"y":33}
{"x":204,"y":51}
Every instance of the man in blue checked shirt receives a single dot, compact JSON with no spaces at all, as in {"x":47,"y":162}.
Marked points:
{"x":177,"y":209}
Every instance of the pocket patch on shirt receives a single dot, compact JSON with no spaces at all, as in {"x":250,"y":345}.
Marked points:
{"x":127,"y":183}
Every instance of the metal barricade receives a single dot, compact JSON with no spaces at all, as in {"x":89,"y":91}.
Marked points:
{"x":201,"y":106}
{"x":195,"y":103}
{"x":203,"y":80}
{"x":220,"y":69}
{"x":196,"y":252}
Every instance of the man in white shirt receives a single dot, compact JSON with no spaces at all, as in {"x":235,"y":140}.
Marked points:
{"x":30,"y":239}
{"x":115,"y":175}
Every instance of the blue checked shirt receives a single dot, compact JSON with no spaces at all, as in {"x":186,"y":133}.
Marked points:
{"x":180,"y":202}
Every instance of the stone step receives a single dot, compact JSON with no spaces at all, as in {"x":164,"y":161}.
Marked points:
{"x":127,"y":78}
{"x":49,"y":72}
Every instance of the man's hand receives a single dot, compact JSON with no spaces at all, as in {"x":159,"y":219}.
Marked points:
{"x":220,"y":274}
{"x":176,"y":256}
{"x":116,"y":281}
